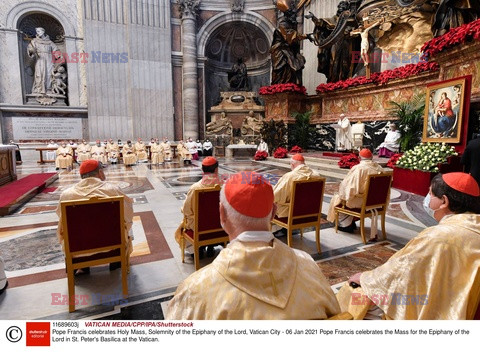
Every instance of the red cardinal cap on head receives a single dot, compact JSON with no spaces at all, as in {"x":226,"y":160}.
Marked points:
{"x":462,"y":182}
{"x":366,"y":153}
{"x":298,"y":157}
{"x":250,"y":194}
{"x":209,"y":161}
{"x":88,"y":166}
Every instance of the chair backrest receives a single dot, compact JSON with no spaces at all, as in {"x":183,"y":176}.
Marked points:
{"x":307,"y":197}
{"x":207,"y":213}
{"x":96,"y":223}
{"x":378,"y":189}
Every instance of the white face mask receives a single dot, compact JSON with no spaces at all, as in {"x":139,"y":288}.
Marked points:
{"x":426,"y":206}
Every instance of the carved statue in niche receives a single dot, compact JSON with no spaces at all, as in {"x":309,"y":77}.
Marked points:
{"x":251,"y":125}
{"x":220,"y":126}
{"x":59,"y":81}
{"x":454,"y":13}
{"x":237,"y":76}
{"x":287,"y":61}
{"x":42,"y":49}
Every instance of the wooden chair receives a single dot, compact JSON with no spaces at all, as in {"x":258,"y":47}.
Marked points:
{"x":208,"y":230}
{"x":94,"y":234}
{"x":305,"y":208}
{"x":376,"y":197}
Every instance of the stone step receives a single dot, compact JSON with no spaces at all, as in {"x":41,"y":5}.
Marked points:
{"x":327,"y":167}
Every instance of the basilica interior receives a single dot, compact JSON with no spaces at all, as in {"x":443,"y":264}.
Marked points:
{"x":232,"y":74}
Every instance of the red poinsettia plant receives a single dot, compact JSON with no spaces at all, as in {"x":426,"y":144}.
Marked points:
{"x":457,"y":35}
{"x":260,"y":156}
{"x":296,"y":149}
{"x":348,"y":161}
{"x":380,"y":78}
{"x":280,"y":153}
{"x":282,"y":88}
{"x":393,"y":160}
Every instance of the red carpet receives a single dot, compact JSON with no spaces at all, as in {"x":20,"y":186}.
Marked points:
{"x":334,"y":154}
{"x":18,"y":192}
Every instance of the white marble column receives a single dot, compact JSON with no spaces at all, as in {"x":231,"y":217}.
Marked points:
{"x":190,"y":81}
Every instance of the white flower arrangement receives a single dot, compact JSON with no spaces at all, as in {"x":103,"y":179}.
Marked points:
{"x":426,"y":157}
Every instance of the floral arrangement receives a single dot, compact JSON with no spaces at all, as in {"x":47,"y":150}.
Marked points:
{"x":380,"y":78}
{"x":280,"y":153}
{"x":348,"y":161}
{"x":394,"y":159}
{"x":426,"y":157}
{"x":260,"y":156}
{"x":282,"y":88}
{"x":455,"y":36}
{"x":296,"y":149}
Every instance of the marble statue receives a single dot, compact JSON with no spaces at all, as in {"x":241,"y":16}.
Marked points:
{"x":223,"y":125}
{"x":251,"y":124}
{"x":42,"y":49}
{"x":59,"y":81}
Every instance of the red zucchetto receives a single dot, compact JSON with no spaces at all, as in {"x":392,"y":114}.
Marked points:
{"x":250,"y":194}
{"x":88,"y":166}
{"x":462,"y":182}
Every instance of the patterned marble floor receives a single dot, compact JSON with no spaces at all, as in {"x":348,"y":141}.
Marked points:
{"x":36,"y":270}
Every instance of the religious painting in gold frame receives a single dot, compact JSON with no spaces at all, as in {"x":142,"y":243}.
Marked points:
{"x":444,"y":111}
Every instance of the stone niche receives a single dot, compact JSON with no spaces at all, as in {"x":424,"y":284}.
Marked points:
{"x":41,"y":56}
{"x":228,"y":118}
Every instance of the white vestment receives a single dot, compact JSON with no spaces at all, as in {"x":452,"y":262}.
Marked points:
{"x":343,"y":141}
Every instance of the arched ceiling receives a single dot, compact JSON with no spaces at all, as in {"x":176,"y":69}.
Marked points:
{"x":235,"y":40}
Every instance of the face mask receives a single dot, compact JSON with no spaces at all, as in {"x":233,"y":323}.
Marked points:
{"x":426,"y":206}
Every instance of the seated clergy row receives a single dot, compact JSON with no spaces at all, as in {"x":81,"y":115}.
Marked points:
{"x":131,"y":153}
{"x":258,"y":277}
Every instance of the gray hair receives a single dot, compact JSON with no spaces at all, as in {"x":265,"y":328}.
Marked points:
{"x":93,"y":173}
{"x":240,"y":219}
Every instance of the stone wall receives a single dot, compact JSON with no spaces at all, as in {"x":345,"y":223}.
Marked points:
{"x":130,"y":98}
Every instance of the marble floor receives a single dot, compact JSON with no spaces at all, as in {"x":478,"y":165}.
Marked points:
{"x":36,"y":271}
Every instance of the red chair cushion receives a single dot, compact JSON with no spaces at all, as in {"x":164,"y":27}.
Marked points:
{"x":297,"y":221}
{"x":97,"y":256}
{"x":358,"y":210}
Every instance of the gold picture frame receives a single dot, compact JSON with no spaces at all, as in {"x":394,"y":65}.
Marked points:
{"x":444,"y":111}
